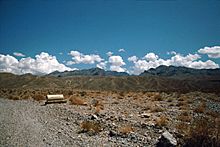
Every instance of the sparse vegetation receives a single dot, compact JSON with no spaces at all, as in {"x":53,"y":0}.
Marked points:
{"x":89,"y":126}
{"x":203,"y":133}
{"x":77,"y":101}
{"x":200,"y":108}
{"x":162,"y":121}
{"x":39,"y":97}
{"x":126,"y":129}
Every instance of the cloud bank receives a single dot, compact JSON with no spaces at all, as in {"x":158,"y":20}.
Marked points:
{"x":78,"y":58}
{"x":212,"y":52}
{"x":116,"y":63}
{"x":45,"y":63}
{"x":152,"y":60}
{"x":18,"y":54}
{"x":41,"y":64}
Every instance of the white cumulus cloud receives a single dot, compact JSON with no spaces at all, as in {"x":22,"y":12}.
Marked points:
{"x":212,"y":52}
{"x":121,"y":50}
{"x":109,"y":53}
{"x":78,"y":58}
{"x":41,"y":64}
{"x":151,"y":57}
{"x":102,"y":65}
{"x":115,"y":63}
{"x":133,"y":58}
{"x":152,"y":60}
{"x":18,"y":54}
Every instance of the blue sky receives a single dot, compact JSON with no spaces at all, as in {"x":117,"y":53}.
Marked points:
{"x":96,"y":27}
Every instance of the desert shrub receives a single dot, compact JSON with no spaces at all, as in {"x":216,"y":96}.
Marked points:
{"x":126,"y":129}
{"x":77,"y":101}
{"x":82,"y":93}
{"x":26,"y":96}
{"x":13,"y":97}
{"x":157,"y":97}
{"x":182,"y":128}
{"x":169,"y":99}
{"x":39,"y":97}
{"x":157,"y":109}
{"x":181,"y":103}
{"x":203,"y":133}
{"x":200,"y":108}
{"x":213,"y":114}
{"x":89,"y":126}
{"x":185,"y":117}
{"x":162,"y":121}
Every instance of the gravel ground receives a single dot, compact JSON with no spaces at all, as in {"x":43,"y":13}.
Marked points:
{"x":29,"y":123}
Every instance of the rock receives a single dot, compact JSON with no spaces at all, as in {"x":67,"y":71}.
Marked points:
{"x":94,"y":117}
{"x":112,"y":133}
{"x":145,"y":115}
{"x":167,"y":140}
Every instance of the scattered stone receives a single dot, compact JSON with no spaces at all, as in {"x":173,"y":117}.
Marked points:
{"x":145,"y":115}
{"x":166,"y":140}
{"x":94,"y":117}
{"x":112,"y":133}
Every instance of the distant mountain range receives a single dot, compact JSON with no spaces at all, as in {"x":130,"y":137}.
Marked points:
{"x":87,"y":72}
{"x":173,"y":71}
{"x":163,"y":78}
{"x":166,"y":71}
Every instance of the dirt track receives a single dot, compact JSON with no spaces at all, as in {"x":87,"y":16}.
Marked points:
{"x":28,"y":123}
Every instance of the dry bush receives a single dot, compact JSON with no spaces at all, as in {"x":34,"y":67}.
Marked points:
{"x":200,"y":108}
{"x":181,"y":103}
{"x":97,"y":105}
{"x":82,"y":93}
{"x":213,"y":114}
{"x":182,"y":98}
{"x":89,"y":126}
{"x":156,"y":109}
{"x":13,"y":97}
{"x":77,"y":101}
{"x":25,"y":96}
{"x":182,"y":128}
{"x":157,"y":97}
{"x":170,"y":99}
{"x":203,"y":133}
{"x":39,"y":97}
{"x":162,"y":121}
{"x":184,"y":107}
{"x":126,"y":129}
{"x":185,"y":117}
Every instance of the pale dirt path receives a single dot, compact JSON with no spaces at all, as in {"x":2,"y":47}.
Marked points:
{"x":19,"y":125}
{"x":28,"y":123}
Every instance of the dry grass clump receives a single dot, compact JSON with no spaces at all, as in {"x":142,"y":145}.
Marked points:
{"x":200,"y":108}
{"x":162,"y":121}
{"x":157,"y":97}
{"x":97,"y":105}
{"x":203,"y":133}
{"x":181,"y":103}
{"x":89,"y":126}
{"x":127,"y":129}
{"x":182,"y":128}
{"x":39,"y":97}
{"x":13,"y":97}
{"x":77,"y":101}
{"x":170,"y":99}
{"x":185,"y":117}
{"x":82,"y":93}
{"x":213,"y":114}
{"x":156,"y":109}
